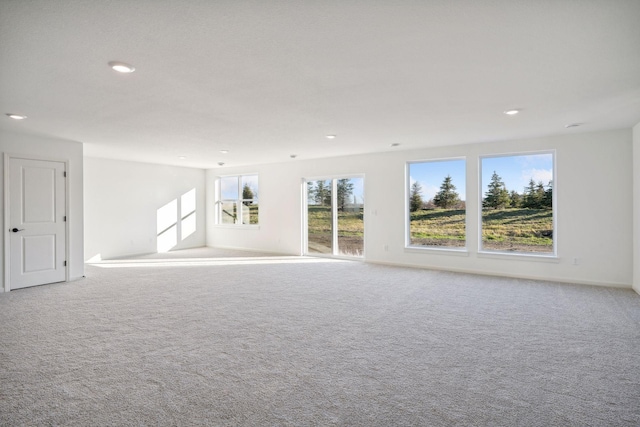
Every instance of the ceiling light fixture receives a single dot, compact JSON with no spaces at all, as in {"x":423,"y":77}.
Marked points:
{"x":16,"y":116}
{"x":121,"y":67}
{"x":224,"y":151}
{"x":220,"y":163}
{"x":182,"y":157}
{"x":573,"y":125}
{"x":331,"y":136}
{"x":511,"y":112}
{"x":293,"y":156}
{"x":395,"y":144}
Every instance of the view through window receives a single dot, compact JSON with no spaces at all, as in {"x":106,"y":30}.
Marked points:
{"x":517,"y":203}
{"x":335,"y":216}
{"x":437,"y":209}
{"x":238,"y":202}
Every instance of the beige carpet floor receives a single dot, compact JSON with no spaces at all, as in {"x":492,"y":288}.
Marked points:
{"x":226,"y":338}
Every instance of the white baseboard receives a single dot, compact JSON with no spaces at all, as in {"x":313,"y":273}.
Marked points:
{"x":513,"y":276}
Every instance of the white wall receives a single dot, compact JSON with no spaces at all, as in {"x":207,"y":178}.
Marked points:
{"x":51,"y":149}
{"x":593,"y":221}
{"x":122,"y":201}
{"x":636,"y":208}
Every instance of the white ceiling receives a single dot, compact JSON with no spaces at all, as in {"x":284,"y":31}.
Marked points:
{"x":267,"y":79}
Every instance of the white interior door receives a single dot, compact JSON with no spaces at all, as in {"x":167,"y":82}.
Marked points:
{"x":37,"y":222}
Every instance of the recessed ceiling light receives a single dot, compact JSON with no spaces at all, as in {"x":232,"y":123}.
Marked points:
{"x":220,"y":163}
{"x":293,"y":156}
{"x":16,"y":116}
{"x":395,"y":144}
{"x":511,"y":112}
{"x":121,"y":67}
{"x":331,"y":136}
{"x":573,"y":125}
{"x":224,"y":151}
{"x":182,"y":157}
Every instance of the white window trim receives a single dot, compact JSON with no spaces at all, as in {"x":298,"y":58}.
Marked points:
{"x":485,"y":253}
{"x":449,"y":250}
{"x":218,"y":201}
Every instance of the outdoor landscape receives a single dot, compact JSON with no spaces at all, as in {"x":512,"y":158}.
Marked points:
{"x":517,"y":211}
{"x":511,"y":221}
{"x":350,"y":220}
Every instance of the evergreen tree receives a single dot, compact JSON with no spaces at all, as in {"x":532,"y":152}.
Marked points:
{"x":415,"y":198}
{"x":548,"y":196}
{"x":540,"y":195}
{"x":322,"y":193}
{"x":529,"y":200}
{"x":516,"y":199}
{"x":536,"y":196}
{"x":447,"y":197}
{"x":345,"y":190}
{"x":247,"y":194}
{"x":497,"y":196}
{"x":311,"y":192}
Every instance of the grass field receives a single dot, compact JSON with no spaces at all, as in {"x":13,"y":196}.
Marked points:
{"x":438,"y":227}
{"x":514,"y":230}
{"x":518,"y":230}
{"x":350,"y":231}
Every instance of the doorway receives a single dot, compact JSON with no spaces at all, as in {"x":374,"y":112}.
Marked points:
{"x":35,"y":220}
{"x":334,"y":216}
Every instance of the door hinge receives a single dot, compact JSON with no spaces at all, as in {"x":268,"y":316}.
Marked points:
{"x":65,"y":263}
{"x":64,"y":218}
{"x":65,"y":173}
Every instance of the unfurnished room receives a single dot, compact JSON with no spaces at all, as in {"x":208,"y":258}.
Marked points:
{"x":320,"y":213}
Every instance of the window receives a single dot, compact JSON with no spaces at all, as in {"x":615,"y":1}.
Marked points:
{"x":518,"y":207}
{"x":436,"y":203}
{"x":237,"y":200}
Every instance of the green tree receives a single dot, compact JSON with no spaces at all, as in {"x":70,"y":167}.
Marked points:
{"x":529,"y":199}
{"x":247,"y":194}
{"x":497,"y":196}
{"x":415,"y":198}
{"x":345,"y":190}
{"x":322,"y":193}
{"x":311,"y":192}
{"x":516,"y":199}
{"x":548,"y":196}
{"x":535,"y":196}
{"x":447,"y":197}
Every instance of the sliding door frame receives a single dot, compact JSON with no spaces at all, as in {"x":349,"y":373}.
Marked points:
{"x":334,"y":217}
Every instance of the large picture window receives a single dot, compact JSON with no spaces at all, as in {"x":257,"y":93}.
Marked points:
{"x":518,"y":208}
{"x":237,"y":200}
{"x":436,"y":203}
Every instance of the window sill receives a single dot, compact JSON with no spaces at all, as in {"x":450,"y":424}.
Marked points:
{"x":552,"y":258}
{"x":436,"y":250}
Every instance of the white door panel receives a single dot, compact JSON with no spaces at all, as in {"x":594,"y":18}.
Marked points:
{"x":37,"y":229}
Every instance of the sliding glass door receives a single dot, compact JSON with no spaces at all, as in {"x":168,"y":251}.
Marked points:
{"x":319,"y":217}
{"x":335,"y":216}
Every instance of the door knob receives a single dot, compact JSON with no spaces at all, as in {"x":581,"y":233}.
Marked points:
{"x":15,"y":230}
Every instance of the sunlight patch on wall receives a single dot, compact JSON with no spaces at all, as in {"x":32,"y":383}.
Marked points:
{"x":188,"y":214}
{"x":176,"y":218}
{"x":167,"y":219}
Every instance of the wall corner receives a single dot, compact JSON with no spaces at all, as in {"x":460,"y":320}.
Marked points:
{"x":636,"y":207}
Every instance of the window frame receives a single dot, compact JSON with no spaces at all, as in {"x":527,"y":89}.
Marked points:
{"x":238,"y":202}
{"x":454,"y":250}
{"x":490,"y":253}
